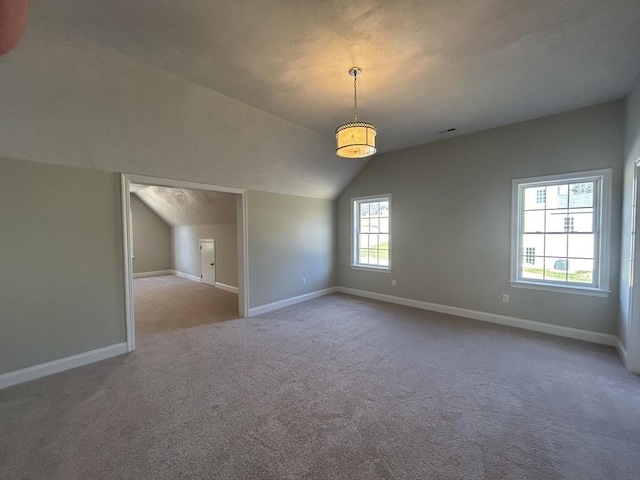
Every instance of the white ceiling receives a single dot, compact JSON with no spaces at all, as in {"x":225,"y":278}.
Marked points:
{"x":428,"y":65}
{"x":180,"y":207}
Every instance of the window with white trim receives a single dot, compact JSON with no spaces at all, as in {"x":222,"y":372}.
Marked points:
{"x":560,"y":232}
{"x":372,"y":232}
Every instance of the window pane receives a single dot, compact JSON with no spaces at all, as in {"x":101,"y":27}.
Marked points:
{"x":581,"y":195}
{"x":555,"y":245}
{"x":374,"y":209}
{"x":373,"y":240}
{"x":581,"y":245}
{"x":535,"y":198}
{"x":364,"y":256}
{"x":373,"y":257}
{"x":558,"y":196}
{"x":364,"y":241}
{"x":534,"y":221}
{"x":364,"y":210}
{"x":383,"y":257}
{"x":374,"y":225}
{"x":555,"y":269}
{"x":383,"y":241}
{"x":582,"y":220}
{"x":555,"y":221}
{"x":580,"y":271}
{"x":384,"y":225}
{"x":531,"y":268}
{"x":364,"y":226}
{"x":533,"y":241}
{"x":384,"y":209}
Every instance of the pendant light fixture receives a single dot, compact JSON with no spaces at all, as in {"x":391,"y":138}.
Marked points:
{"x":355,"y":139}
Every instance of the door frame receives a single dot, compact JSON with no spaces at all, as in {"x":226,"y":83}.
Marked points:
{"x":633,"y":326}
{"x":200,"y":242}
{"x":243,"y":253}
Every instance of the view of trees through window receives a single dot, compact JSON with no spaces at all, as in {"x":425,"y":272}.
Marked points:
{"x":558,"y":233}
{"x":372,"y":232}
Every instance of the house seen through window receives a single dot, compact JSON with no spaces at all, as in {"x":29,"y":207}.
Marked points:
{"x":371,"y":232}
{"x":559,"y":222}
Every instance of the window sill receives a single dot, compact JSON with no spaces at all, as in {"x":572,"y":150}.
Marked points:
{"x":368,"y":268}
{"x":547,"y":287}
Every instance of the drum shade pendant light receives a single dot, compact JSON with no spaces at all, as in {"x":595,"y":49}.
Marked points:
{"x":355,"y":139}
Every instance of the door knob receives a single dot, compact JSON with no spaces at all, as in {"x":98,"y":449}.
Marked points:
{"x":212,"y":264}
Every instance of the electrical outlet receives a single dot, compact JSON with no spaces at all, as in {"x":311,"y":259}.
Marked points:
{"x":505,"y":298}
{"x":393,"y":282}
{"x":304,"y":281}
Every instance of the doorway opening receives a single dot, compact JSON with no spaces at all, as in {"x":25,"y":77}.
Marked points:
{"x":200,"y":218}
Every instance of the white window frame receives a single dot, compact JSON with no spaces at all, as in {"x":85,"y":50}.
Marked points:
{"x":602,"y":229}
{"x":355,"y":230}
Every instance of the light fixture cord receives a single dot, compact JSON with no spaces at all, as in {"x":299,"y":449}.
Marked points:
{"x":355,"y":98}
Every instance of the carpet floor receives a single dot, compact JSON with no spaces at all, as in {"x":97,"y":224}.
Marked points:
{"x":334,"y":388}
{"x":168,"y":302}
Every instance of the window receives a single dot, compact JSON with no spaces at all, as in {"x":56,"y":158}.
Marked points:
{"x":371,"y":232}
{"x":560,"y":232}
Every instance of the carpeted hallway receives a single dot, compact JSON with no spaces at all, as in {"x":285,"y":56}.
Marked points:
{"x":338,"y":387}
{"x":169,"y":302}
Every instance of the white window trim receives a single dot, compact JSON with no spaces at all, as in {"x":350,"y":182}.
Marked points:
{"x":603,"y":223}
{"x":354,"y":255}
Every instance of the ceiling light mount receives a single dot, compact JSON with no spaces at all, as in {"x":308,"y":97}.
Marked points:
{"x":355,"y":139}
{"x":355,"y":71}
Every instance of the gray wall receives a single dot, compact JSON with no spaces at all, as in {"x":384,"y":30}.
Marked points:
{"x":66,"y":107}
{"x":290,"y":238}
{"x":631,"y":154}
{"x":451,"y":215}
{"x":61,"y":262}
{"x":151,"y":239}
{"x":186,"y":250}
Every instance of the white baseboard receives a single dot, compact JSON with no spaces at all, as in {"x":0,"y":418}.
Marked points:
{"x":224,"y":286}
{"x":621,"y":351}
{"x":188,"y":276}
{"x":290,"y":301}
{"x":60,"y":365}
{"x":586,"y":335}
{"x":155,"y":273}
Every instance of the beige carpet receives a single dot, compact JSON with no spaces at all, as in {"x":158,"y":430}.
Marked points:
{"x":335,"y":388}
{"x":169,"y":302}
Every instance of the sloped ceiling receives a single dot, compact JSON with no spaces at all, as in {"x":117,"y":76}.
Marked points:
{"x":180,"y":207}
{"x":248,"y":93}
{"x":428,"y":65}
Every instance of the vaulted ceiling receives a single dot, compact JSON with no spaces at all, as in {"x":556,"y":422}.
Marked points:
{"x":180,"y":206}
{"x":429,"y":65}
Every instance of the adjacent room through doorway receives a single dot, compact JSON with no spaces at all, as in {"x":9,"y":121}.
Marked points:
{"x":184,"y":257}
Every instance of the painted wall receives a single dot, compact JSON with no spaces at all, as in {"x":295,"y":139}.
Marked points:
{"x":186,"y":250}
{"x":631,"y":155}
{"x":85,"y":105}
{"x":290,"y":238}
{"x":61,"y":268}
{"x":451,"y":215}
{"x":151,"y":239}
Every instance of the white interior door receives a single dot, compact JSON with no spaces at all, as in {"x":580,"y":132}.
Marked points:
{"x":208,"y":261}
